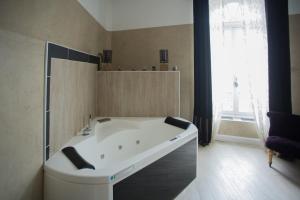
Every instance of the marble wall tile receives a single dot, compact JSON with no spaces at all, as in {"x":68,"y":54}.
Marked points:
{"x":21,"y":116}
{"x":140,"y":49}
{"x":72,"y":99}
{"x":25,"y":26}
{"x":138,"y":94}
{"x":64,"y":22}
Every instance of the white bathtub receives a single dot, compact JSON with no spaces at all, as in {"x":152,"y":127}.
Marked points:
{"x":117,"y":149}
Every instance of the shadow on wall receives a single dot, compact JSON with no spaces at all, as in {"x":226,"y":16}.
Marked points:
{"x":35,"y":186}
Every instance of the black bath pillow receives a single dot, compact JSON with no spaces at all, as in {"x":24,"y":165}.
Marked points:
{"x":76,"y":159}
{"x":176,"y":122}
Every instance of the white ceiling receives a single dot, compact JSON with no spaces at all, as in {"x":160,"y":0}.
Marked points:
{"x":116,"y":15}
{"x":133,"y":14}
{"x":101,"y":10}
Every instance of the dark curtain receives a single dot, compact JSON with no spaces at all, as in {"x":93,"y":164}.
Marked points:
{"x":202,"y":72}
{"x":279,"y":56}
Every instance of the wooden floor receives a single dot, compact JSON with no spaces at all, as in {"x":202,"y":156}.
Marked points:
{"x":233,"y":171}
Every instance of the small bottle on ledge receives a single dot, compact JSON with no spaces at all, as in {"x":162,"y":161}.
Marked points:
{"x":164,"y":67}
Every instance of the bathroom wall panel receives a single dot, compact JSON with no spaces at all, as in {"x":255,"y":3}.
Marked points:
{"x":138,"y":94}
{"x":63,"y":22}
{"x":296,"y":90}
{"x":294,"y":21}
{"x":140,"y":49}
{"x":72,"y":99}
{"x":295,"y":60}
{"x":21,"y":117}
{"x":25,"y":26}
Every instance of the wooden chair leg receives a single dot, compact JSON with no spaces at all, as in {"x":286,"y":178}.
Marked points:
{"x":270,"y":153}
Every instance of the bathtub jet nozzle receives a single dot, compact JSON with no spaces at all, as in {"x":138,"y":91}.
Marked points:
{"x":86,"y":131}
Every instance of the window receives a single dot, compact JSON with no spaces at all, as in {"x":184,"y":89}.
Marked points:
{"x":239,"y":64}
{"x":237,"y":100}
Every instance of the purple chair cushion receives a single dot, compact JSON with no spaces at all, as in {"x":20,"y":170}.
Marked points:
{"x":284,"y":125}
{"x":284,"y":146}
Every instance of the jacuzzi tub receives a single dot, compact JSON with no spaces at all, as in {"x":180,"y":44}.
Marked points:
{"x":122,"y":151}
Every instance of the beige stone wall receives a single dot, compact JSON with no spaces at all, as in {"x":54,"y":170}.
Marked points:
{"x":140,"y":49}
{"x":21,"y":116}
{"x":72,"y":99}
{"x":138,"y":94}
{"x":24,"y":28}
{"x":295,"y":61}
{"x":60,"y":21}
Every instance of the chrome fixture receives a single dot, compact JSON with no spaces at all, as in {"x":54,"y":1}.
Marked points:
{"x":88,"y":129}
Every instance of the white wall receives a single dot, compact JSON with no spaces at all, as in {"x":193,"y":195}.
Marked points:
{"x":134,"y":14}
{"x":101,"y":10}
{"x":294,"y":7}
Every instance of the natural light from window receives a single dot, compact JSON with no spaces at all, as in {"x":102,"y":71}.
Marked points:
{"x":239,"y":59}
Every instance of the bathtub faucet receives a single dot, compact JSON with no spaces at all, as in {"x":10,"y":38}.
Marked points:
{"x":88,"y":129}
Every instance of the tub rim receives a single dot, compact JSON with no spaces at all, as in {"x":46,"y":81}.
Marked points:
{"x":112,"y":175}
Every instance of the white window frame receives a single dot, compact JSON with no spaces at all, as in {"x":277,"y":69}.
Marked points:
{"x":235,"y":113}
